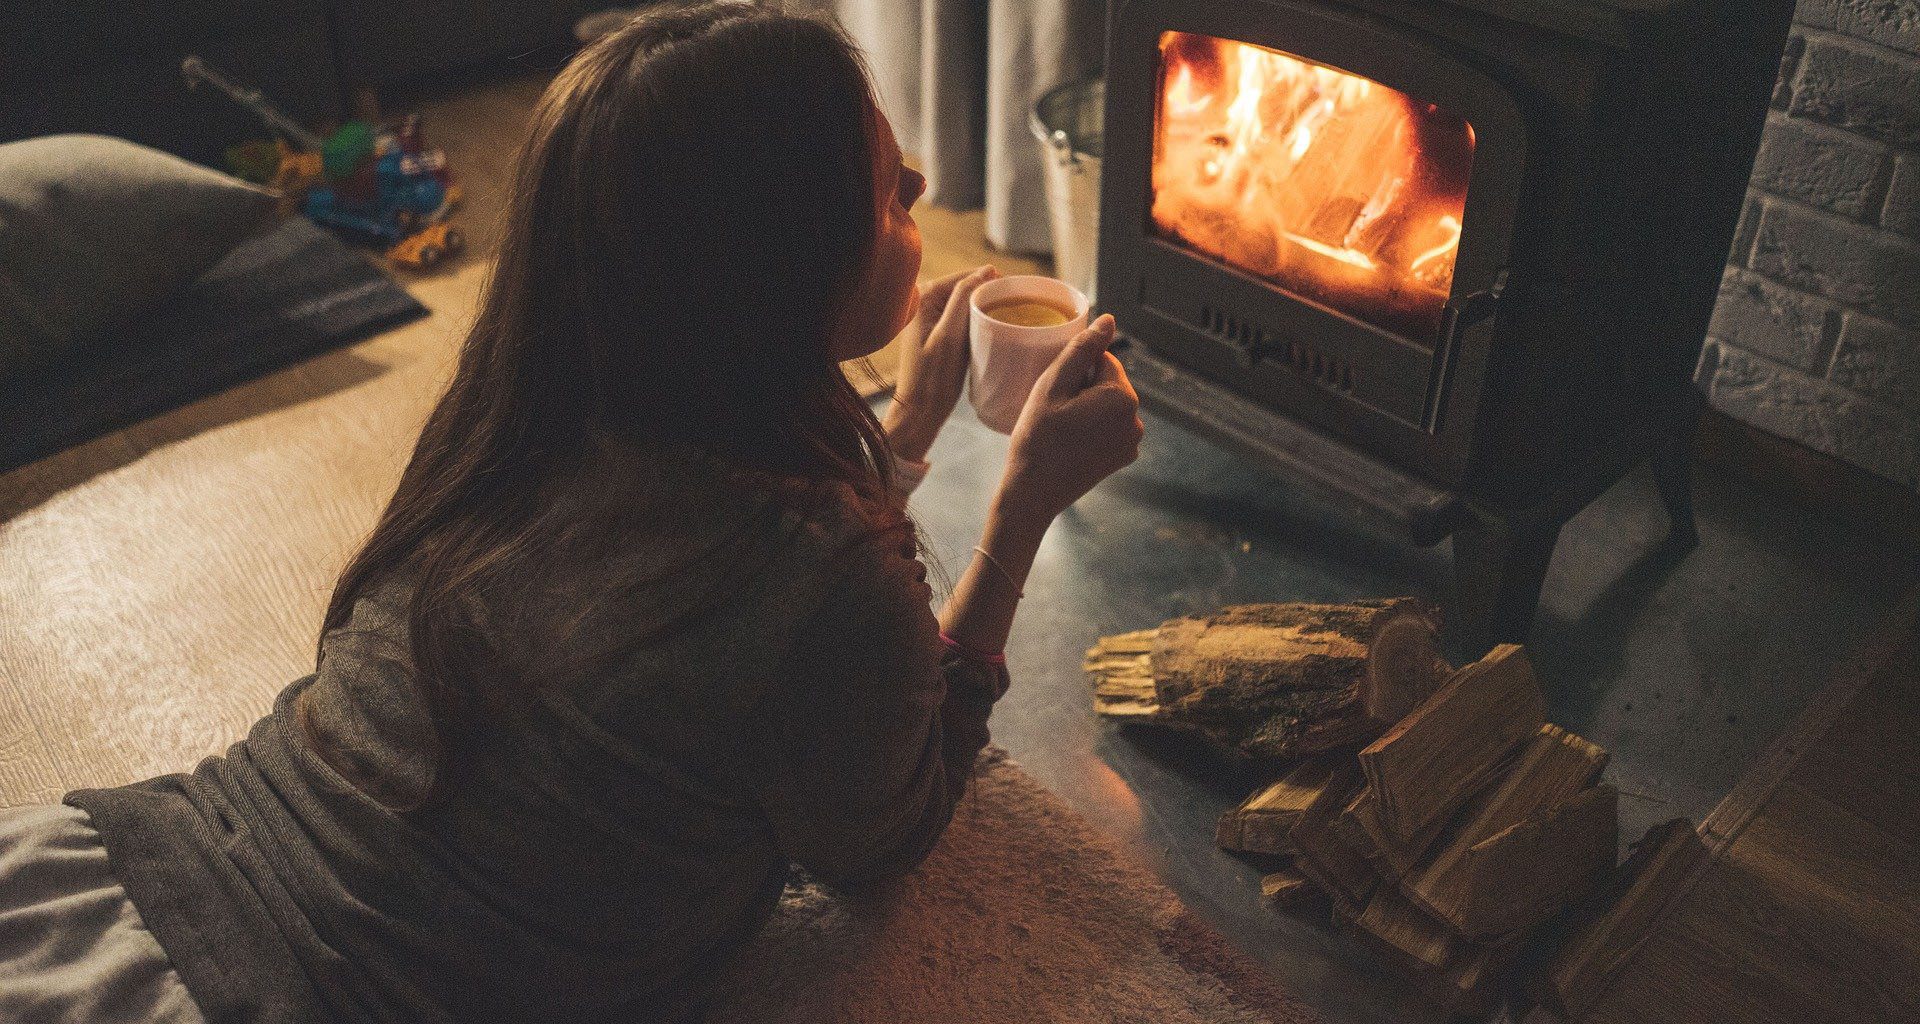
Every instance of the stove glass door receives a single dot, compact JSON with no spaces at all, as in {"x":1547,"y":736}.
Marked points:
{"x":1328,"y":185}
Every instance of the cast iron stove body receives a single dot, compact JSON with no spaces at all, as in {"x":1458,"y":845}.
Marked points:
{"x":1450,"y":262}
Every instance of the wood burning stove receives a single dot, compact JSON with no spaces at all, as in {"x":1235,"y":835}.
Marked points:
{"x":1450,"y":262}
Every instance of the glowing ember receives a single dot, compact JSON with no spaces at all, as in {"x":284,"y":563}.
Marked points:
{"x":1332,"y":186}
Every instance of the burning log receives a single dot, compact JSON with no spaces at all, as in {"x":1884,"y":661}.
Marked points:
{"x":1274,"y":681}
{"x":1324,"y":182}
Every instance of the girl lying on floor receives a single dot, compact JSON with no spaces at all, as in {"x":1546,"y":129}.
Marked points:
{"x":644,"y":623}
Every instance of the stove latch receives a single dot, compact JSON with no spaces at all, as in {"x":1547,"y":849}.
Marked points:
{"x":1469,"y":310}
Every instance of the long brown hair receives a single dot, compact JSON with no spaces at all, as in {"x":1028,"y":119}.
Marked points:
{"x":691,"y":210}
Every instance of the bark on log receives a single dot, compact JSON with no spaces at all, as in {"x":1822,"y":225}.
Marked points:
{"x":1274,"y":681}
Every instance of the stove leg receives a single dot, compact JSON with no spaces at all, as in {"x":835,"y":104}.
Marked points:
{"x":1499,"y":567}
{"x":1673,"y":474}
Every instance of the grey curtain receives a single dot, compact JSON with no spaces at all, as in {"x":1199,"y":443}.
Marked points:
{"x":958,"y":79}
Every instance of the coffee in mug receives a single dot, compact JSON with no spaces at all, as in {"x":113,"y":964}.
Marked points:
{"x":1017,"y":326}
{"x":1028,"y":313}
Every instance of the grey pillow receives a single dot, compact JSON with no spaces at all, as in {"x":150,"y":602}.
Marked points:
{"x":94,"y":229}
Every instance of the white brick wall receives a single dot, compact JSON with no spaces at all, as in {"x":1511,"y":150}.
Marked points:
{"x":1817,"y":333}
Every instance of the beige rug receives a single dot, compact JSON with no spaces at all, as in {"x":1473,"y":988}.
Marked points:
{"x":1024,"y":912}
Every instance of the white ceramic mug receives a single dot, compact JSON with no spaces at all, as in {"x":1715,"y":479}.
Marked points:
{"x":1007,"y":358}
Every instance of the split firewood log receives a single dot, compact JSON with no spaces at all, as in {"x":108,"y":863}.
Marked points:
{"x":1288,"y":889}
{"x":1518,"y":878}
{"x":1343,"y":873}
{"x":1396,"y":856}
{"x":1459,"y":976}
{"x":1447,"y":748}
{"x":1548,"y":771}
{"x":1275,"y":681}
{"x":1263,"y":822}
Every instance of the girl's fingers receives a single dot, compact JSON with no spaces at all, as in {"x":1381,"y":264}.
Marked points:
{"x":940,"y":287}
{"x":935,"y":293}
{"x":1109,"y":371}
{"x":1114,"y":373}
{"x":953,"y":319}
{"x":1077,"y":364}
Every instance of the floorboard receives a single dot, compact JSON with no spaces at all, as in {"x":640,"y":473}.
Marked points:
{"x":1810,"y":911}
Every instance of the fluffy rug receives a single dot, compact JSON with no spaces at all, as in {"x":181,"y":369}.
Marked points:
{"x":1023,"y":913}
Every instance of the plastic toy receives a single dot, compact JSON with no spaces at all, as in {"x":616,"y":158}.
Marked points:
{"x":428,"y":246}
{"x":372,"y":185}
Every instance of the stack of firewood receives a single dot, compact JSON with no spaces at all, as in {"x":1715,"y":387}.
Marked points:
{"x":1436,"y":811}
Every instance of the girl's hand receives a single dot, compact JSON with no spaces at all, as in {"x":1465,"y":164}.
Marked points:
{"x":933,"y":362}
{"x":1080,"y":424}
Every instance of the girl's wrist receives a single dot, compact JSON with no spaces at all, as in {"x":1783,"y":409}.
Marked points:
{"x":910,"y":436}
{"x":1015,"y":506}
{"x":1014,"y":532}
{"x":981,"y":612}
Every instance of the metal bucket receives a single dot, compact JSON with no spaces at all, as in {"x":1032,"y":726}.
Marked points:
{"x":1067,"y":120}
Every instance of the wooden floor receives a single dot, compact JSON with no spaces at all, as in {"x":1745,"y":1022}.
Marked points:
{"x":1809,"y":910}
{"x":160,"y":584}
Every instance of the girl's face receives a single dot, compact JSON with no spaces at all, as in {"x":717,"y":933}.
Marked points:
{"x":887,"y":296}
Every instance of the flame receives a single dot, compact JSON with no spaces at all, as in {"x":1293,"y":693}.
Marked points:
{"x":1445,"y":250}
{"x":1180,"y":99}
{"x":1326,"y":183}
{"x":1351,"y":257}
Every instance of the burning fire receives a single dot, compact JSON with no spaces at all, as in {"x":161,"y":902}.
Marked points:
{"x":1331,"y":185}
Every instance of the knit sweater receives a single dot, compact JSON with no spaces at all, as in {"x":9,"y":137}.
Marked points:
{"x":608,"y":837}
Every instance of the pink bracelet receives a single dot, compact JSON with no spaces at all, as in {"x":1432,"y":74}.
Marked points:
{"x":968,"y":652}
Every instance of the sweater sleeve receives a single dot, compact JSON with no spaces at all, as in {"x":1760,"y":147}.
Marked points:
{"x":871,"y":737}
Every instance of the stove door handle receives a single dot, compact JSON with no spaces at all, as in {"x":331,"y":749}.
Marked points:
{"x":1460,"y":315}
{"x":1471,"y":309}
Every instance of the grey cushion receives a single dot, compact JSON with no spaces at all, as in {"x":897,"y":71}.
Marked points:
{"x":284,"y":294}
{"x":94,"y":230}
